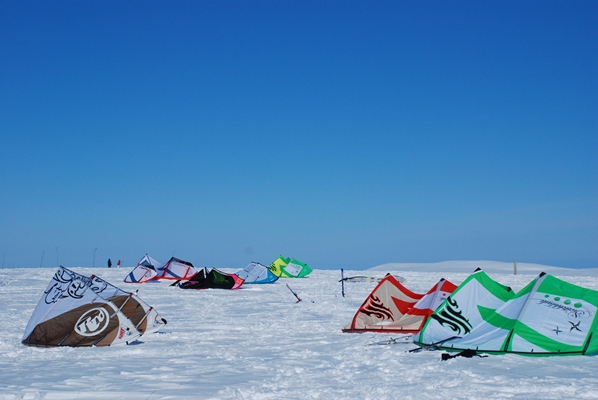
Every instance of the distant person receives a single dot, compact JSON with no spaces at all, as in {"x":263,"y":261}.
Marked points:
{"x":118,"y":264}
{"x":109,"y":263}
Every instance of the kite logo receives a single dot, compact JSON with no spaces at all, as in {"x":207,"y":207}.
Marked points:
{"x":54,"y":293}
{"x":76,"y":288}
{"x":453,"y":318}
{"x":65,"y":284}
{"x":92,"y":322}
{"x":557,"y":330}
{"x":377,"y":309}
{"x":293,"y":269}
{"x":575,"y":310}
{"x":97,"y":285}
{"x":574,"y":326}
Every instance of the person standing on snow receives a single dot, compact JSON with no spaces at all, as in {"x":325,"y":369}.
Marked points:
{"x":118,"y":264}
{"x":109,"y":263}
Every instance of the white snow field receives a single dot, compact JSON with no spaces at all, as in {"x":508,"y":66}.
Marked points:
{"x":259,"y":343}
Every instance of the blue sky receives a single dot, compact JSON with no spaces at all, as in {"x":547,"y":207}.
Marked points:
{"x":346,"y":134}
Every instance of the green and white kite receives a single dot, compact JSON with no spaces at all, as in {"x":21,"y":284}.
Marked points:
{"x":547,"y":317}
{"x":289,"y":268}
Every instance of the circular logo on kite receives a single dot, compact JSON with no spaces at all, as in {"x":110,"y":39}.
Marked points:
{"x":92,"y":322}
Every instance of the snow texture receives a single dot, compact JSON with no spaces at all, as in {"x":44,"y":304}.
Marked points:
{"x":259,"y":343}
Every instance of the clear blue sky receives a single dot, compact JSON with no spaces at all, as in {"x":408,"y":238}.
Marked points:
{"x":343,"y":133}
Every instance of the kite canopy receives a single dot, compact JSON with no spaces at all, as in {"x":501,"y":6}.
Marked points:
{"x":547,"y":317}
{"x":289,"y":268}
{"x":295,"y":269}
{"x":144,"y":271}
{"x":76,"y":310}
{"x":391,"y":307}
{"x":148,"y":269}
{"x":278,"y":264}
{"x":257,"y":273}
{"x":212,"y":279}
{"x":460,"y":312}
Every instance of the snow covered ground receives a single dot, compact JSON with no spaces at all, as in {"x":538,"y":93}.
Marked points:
{"x":490,"y":267}
{"x":258,"y":343}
